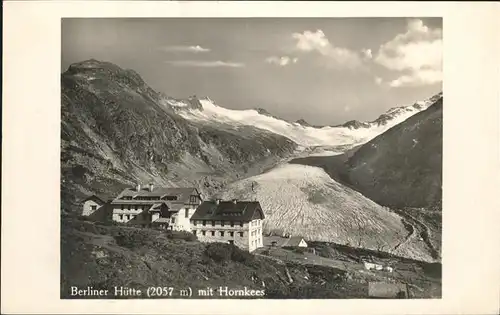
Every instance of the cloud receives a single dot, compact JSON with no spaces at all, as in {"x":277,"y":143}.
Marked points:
{"x":417,"y":54}
{"x":367,"y":53}
{"x":309,"y":41}
{"x":419,"y":78}
{"x":281,"y":61}
{"x":205,"y":64}
{"x":378,"y":80}
{"x":193,"y":49}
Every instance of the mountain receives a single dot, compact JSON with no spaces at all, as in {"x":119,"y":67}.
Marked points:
{"x":306,"y":201}
{"x":399,"y":168}
{"x":303,"y":122}
{"x":394,"y":115}
{"x":116,"y":130}
{"x":355,"y":124}
{"x":351,"y":133}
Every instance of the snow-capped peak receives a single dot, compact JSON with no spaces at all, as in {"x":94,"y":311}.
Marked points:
{"x":205,"y":110}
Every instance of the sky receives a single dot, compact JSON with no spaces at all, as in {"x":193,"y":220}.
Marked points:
{"x":324,"y":70}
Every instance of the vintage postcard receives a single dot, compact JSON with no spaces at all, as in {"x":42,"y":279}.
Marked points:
{"x":249,"y":159}
{"x":236,"y":157}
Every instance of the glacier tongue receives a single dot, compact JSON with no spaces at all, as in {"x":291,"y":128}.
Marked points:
{"x":304,"y":200}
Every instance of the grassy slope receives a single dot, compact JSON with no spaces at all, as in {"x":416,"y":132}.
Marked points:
{"x":95,"y":255}
{"x":103,"y":256}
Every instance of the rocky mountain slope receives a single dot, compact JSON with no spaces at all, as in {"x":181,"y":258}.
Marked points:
{"x":399,"y":168}
{"x":116,"y":130}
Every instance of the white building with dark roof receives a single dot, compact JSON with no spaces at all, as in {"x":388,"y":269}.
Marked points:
{"x":148,"y":206}
{"x":292,"y":241}
{"x":234,"y":222}
{"x":95,"y":203}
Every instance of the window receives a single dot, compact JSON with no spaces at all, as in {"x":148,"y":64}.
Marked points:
{"x":93,"y":208}
{"x":171,"y":197}
{"x":241,"y":224}
{"x":213,"y":233}
{"x":231,"y":242}
{"x":121,"y":216}
{"x":221,"y":233}
{"x":121,"y":207}
{"x":187,"y":213}
{"x":128,"y":207}
{"x":232,"y":224}
{"x":241,"y":234}
{"x":203,"y":233}
{"x":204,"y":223}
{"x":222,"y":223}
{"x":127,"y":217}
{"x":192,"y":199}
{"x":213,"y":223}
{"x":231,"y":233}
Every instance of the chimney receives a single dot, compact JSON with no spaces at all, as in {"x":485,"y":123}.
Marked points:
{"x":235,"y":201}
{"x":151,"y":186}
{"x":217,"y":201}
{"x":138,"y":187}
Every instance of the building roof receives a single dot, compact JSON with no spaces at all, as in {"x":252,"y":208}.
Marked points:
{"x":228,"y":211}
{"x":182,"y":195}
{"x":103,"y":198}
{"x":294,"y":241}
{"x":175,"y":206}
{"x":283,"y":241}
{"x":157,"y":206}
{"x":161,"y":220}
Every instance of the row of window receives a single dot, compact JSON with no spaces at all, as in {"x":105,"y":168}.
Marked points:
{"x":135,"y":207}
{"x":222,"y":223}
{"x":256,"y":232}
{"x":256,"y":243}
{"x":126,"y":216}
{"x":145,"y":207}
{"x":255,"y":223}
{"x":140,"y":198}
{"x":192,"y":199}
{"x":220,"y":233}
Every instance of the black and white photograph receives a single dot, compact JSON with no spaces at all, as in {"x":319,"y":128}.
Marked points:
{"x":251,"y":158}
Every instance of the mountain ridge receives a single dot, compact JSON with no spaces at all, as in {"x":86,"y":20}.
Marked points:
{"x":410,"y":151}
{"x":115,"y":131}
{"x":301,"y":132}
